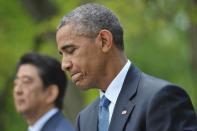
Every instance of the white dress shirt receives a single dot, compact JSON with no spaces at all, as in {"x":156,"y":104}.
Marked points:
{"x":115,"y":87}
{"x":42,"y":120}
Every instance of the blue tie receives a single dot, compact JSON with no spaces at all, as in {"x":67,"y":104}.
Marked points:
{"x":103,"y":124}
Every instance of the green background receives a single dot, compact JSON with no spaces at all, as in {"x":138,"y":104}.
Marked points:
{"x":159,"y":38}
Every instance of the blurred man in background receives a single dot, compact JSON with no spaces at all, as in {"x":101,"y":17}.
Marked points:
{"x":90,"y":39}
{"x":39,"y":89}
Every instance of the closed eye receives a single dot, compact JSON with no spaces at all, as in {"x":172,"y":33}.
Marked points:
{"x":68,"y":49}
{"x":23,"y":80}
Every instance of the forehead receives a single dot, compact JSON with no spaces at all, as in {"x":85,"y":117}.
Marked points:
{"x":27,"y":70}
{"x":69,"y":36}
{"x":64,"y":32}
{"x":72,"y":31}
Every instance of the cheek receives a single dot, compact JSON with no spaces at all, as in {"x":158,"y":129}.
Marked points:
{"x":88,"y":62}
{"x":32,"y":99}
{"x":92,"y":71}
{"x":32,"y":94}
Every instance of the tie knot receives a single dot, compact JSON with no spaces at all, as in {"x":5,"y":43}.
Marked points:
{"x":104,"y":102}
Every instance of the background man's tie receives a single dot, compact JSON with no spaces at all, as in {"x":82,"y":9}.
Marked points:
{"x":103,"y":124}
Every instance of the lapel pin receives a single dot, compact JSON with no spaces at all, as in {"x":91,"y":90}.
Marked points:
{"x":124,"y":112}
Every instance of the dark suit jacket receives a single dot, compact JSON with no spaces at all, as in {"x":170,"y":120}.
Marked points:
{"x":151,"y":104}
{"x":58,"y":123}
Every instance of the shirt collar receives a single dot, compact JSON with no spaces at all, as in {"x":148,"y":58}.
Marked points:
{"x":115,"y":86}
{"x":42,"y":120}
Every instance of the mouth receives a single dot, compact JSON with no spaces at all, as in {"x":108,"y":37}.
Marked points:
{"x":76,"y":77}
{"x":19,"y":101}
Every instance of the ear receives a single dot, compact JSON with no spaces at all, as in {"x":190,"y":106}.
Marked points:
{"x":106,"y":38}
{"x":52,"y":93}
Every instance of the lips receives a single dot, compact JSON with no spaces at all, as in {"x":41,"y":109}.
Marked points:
{"x":19,"y":101}
{"x":76,"y":76}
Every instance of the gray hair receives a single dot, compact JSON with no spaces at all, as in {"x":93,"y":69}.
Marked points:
{"x":90,"y":18}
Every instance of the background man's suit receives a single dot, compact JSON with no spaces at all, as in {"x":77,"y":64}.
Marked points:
{"x":150,"y":104}
{"x":57,"y":123}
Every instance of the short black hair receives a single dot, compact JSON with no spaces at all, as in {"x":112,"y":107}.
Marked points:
{"x":50,"y":72}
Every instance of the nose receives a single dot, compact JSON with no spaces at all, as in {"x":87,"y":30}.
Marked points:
{"x":18,"y":88}
{"x":66,"y":65}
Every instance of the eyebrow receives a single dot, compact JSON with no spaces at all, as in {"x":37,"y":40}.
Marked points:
{"x":24,"y":76}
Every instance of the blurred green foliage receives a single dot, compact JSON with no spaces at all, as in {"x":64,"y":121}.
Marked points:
{"x":156,"y":38}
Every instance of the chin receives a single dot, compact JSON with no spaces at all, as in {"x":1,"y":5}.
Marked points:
{"x":83,"y":87}
{"x":21,"y":109}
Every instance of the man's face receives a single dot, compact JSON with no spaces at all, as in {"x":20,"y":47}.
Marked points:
{"x":29,"y":93}
{"x":81,"y":57}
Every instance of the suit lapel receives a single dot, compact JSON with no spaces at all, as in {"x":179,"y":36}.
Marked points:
{"x":124,"y":104}
{"x":92,"y":125}
{"x":51,"y":122}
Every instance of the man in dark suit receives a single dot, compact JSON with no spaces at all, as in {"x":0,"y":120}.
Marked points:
{"x":90,"y":39}
{"x":39,"y":89}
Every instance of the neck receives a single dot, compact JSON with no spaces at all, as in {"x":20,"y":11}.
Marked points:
{"x":115,"y":64}
{"x":33,"y":116}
